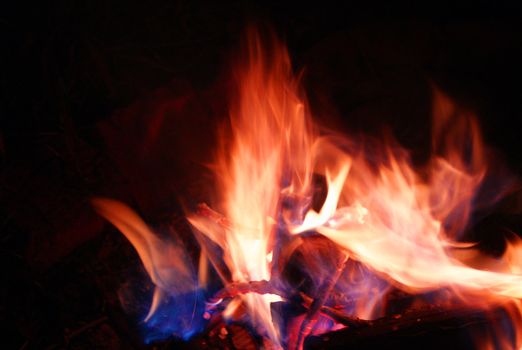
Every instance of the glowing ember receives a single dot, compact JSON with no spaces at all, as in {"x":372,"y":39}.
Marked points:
{"x":392,"y":226}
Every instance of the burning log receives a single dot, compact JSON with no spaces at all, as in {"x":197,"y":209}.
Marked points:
{"x":425,"y":328}
{"x":318,"y":302}
{"x":421,"y":328}
{"x":335,"y":314}
{"x":266,"y":287}
{"x":232,"y":290}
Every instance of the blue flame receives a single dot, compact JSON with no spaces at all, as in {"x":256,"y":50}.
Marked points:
{"x":180,"y":316}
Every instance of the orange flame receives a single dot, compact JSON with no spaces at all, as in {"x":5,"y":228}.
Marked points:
{"x":269,"y":138}
{"x":402,"y":226}
{"x":164,"y":261}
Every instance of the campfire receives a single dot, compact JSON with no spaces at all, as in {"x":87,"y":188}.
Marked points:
{"x":310,"y":232}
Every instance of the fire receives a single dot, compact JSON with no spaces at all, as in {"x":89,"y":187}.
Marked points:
{"x":401,"y":224}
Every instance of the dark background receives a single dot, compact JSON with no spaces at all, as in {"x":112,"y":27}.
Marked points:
{"x":121,"y":99}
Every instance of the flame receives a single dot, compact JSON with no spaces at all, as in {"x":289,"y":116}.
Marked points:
{"x":165,"y":262}
{"x":263,"y":152}
{"x":406,"y":225}
{"x":170,"y":271}
{"x":401,"y":224}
